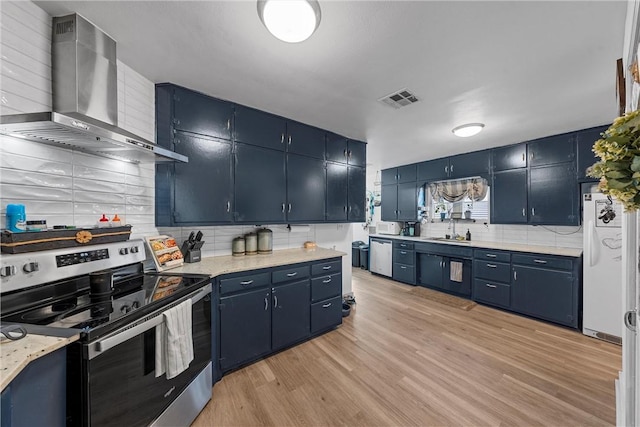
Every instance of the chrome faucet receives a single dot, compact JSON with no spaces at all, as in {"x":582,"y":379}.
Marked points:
{"x":453,"y":231}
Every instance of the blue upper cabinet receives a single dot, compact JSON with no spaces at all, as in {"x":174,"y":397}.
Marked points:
{"x":469,"y":164}
{"x":586,"y":157}
{"x":259,"y":128}
{"x":509,"y":157}
{"x":433,"y":170}
{"x":306,"y":140}
{"x":552,"y":150}
{"x":399,"y":175}
{"x":198,"y":113}
{"x":344,"y":150}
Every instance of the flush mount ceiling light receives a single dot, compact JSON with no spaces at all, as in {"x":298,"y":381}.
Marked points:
{"x":469,"y":129}
{"x":291,"y":21}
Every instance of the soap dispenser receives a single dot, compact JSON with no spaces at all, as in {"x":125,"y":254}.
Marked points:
{"x":468,"y":234}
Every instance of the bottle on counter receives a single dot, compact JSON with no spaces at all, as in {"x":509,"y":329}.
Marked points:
{"x":468,"y":237}
{"x":103,"y":222}
{"x":115,"y":221}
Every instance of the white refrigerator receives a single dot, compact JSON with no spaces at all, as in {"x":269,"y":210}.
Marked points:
{"x":602,"y":268}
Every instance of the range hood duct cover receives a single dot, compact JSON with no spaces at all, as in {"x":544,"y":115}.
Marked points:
{"x":85,"y":100}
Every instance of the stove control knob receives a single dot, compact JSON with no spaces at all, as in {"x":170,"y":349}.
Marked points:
{"x":30,"y":267}
{"x":7,"y":271}
{"x":134,"y":249}
{"x":124,"y":251}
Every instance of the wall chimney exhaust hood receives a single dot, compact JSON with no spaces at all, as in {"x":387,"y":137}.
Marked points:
{"x":85,"y":103}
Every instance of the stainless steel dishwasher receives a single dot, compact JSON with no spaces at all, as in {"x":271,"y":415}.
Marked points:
{"x":381,"y":253}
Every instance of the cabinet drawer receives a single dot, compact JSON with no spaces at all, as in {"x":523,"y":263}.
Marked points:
{"x":326,"y":314}
{"x":489,"y":255}
{"x":404,"y":273}
{"x":403,"y":245}
{"x":291,"y":273}
{"x":404,"y":256}
{"x":326,"y":268}
{"x":326,"y":287}
{"x":492,"y":293}
{"x":250,"y":281}
{"x":545,"y":261}
{"x":492,"y":270}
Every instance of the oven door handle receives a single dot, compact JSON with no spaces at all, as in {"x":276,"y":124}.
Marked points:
{"x":152,"y":320}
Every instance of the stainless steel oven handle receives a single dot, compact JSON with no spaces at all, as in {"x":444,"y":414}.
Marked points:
{"x":155,"y":319}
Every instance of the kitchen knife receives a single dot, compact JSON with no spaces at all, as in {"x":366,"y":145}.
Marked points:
{"x":199,"y":236}
{"x":191,"y":237}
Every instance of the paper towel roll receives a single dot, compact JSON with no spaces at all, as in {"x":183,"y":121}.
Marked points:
{"x":299,"y":228}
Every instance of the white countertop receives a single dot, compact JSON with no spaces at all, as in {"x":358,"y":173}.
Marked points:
{"x":217,"y":265}
{"x":16,"y":355}
{"x":516,"y":247}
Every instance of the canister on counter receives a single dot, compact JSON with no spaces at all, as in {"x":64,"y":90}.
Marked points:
{"x":265,"y":241}
{"x":237,"y":246}
{"x":251,"y":244}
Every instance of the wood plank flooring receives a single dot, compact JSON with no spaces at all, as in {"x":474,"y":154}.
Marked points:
{"x":401,"y":359}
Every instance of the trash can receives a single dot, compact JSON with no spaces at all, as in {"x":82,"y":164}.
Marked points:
{"x":355,"y":253}
{"x":364,"y":257}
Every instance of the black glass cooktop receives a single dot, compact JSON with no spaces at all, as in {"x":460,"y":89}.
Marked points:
{"x":82,"y":310}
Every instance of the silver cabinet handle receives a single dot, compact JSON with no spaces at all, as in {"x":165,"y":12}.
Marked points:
{"x":398,"y":177}
{"x":327,"y":281}
{"x":539,"y":261}
{"x":289,"y":210}
{"x":275,"y":301}
{"x":228,"y":124}
{"x":282,"y":138}
{"x":403,"y":252}
{"x":228,"y":206}
{"x":492,"y":266}
{"x":326,"y":305}
{"x":491,"y":255}
{"x":523,"y":158}
{"x":349,"y":154}
{"x":515,"y":275}
{"x":246,"y":282}
{"x":345,"y":209}
{"x":629,"y":320}
{"x":524,"y":212}
{"x":326,"y":267}
{"x":345,"y":152}
{"x":283,"y":208}
{"x":403,"y":267}
{"x":266,"y":303}
{"x":290,"y":139}
{"x":349,"y":208}
{"x":295,"y":273}
{"x":451,"y":168}
{"x":446,"y":169}
{"x":533,"y":211}
{"x":491,"y":286}
{"x":531,"y":156}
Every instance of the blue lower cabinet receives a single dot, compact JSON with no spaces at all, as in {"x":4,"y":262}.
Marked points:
{"x":493,"y":293}
{"x":326,"y":314}
{"x":37,"y":396}
{"x":290,"y":314}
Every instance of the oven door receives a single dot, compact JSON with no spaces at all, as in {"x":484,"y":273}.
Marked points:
{"x":120,"y":387}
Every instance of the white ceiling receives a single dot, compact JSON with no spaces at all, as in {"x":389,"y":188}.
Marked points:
{"x":525,"y":69}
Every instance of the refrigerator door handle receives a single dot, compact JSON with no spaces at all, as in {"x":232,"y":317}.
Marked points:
{"x":630,"y":320}
{"x":592,"y":244}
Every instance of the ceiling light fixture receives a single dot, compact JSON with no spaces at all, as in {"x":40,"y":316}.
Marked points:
{"x":469,"y":129}
{"x":291,"y":21}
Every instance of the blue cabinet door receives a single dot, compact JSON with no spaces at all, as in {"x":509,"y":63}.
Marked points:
{"x":389,"y":204}
{"x":259,"y":128}
{"x":551,"y":150}
{"x":586,"y":157}
{"x":291,"y":313}
{"x":553,"y":195}
{"x":337,"y":192}
{"x":509,"y":197}
{"x":469,"y":164}
{"x":202,"y":188}
{"x":510,"y":157}
{"x":260,"y":185}
{"x":245,"y":327}
{"x":407,"y":174}
{"x":433,"y":170}
{"x":430,"y":270}
{"x":547,"y":294}
{"x":356,"y":153}
{"x":389,"y":176}
{"x":462,"y":286}
{"x":337,"y":148}
{"x":357,"y":177}
{"x":407,"y":202}
{"x":198,"y":113}
{"x":306,"y":140}
{"x":306,"y":185}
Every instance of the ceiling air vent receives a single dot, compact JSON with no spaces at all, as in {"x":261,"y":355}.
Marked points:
{"x":399,"y":99}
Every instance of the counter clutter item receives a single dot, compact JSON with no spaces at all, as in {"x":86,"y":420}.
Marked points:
{"x":237,"y":246}
{"x":265,"y":241}
{"x":32,"y":241}
{"x":309,"y":245}
{"x":251,"y":244}
{"x":16,"y":218}
{"x":37,"y":225}
{"x":165,"y":251}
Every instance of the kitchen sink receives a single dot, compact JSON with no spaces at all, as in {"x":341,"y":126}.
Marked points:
{"x":444,"y":239}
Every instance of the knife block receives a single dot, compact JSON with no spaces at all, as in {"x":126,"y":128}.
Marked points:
{"x":193,"y":255}
{"x":191,"y":251}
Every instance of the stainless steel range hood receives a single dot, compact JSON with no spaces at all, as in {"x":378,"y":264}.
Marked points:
{"x":85,"y":103}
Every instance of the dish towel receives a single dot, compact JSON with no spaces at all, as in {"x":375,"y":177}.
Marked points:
{"x":456,"y":271}
{"x":174,"y":341}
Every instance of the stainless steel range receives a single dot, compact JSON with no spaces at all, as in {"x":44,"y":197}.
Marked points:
{"x":111,"y":370}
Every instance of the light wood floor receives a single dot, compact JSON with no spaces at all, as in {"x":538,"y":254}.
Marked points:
{"x":400,"y":359}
